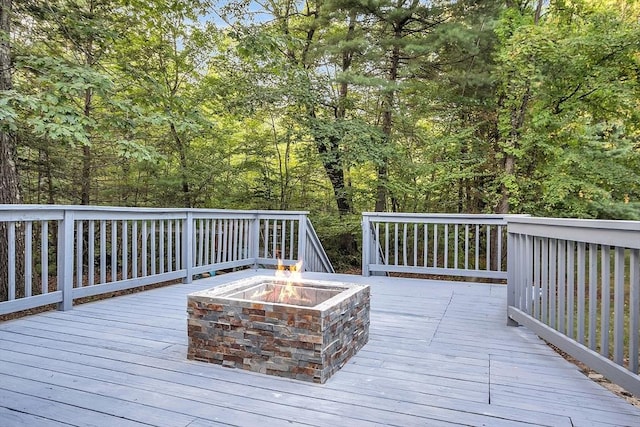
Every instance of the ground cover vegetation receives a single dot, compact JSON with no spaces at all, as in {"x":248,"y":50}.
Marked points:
{"x":335,"y":107}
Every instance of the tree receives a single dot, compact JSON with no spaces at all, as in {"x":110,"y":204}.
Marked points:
{"x":567,"y":118}
{"x":9,"y":179}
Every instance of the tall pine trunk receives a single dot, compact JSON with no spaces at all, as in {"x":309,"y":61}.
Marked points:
{"x":382,"y":191}
{"x":9,"y":182}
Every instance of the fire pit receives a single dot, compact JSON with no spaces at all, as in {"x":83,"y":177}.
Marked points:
{"x":306,"y":329}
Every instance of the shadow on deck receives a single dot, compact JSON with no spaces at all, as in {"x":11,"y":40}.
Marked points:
{"x":439,"y":353}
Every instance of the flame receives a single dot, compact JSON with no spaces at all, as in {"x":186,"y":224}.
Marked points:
{"x":291,"y":277}
{"x":287,"y":294}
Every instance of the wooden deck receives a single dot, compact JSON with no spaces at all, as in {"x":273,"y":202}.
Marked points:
{"x":439,"y":354}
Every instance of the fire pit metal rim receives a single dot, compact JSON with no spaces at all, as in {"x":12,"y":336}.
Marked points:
{"x":220,"y":292}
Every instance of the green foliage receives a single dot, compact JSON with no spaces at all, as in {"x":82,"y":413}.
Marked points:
{"x":324,"y":106}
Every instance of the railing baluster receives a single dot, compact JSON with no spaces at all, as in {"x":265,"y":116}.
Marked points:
{"x":488,"y":261}
{"x":212,"y":237}
{"x":28,"y":258}
{"x":161,"y":248}
{"x":103,"y":251}
{"x":44,"y":256}
{"x":240,"y":244}
{"x":134,"y":249}
{"x":395,"y":243}
{"x":634,"y":309}
{"x":582,"y":249}
{"x":425,"y":249}
{"x":178,"y":243}
{"x":571,"y":330}
{"x":265,"y":238}
{"x":562,"y":286}
{"x":415,"y":245}
{"x":466,"y":246}
{"x":477,"y":248}
{"x":404,"y":244}
{"x":91,"y":257}
{"x":245,"y":238}
{"x":553,"y":295}
{"x":219,"y":240}
{"x":517,"y":273}
{"x":386,"y":243}
{"x":435,"y":245}
{"x":144,"y":260}
{"x":153,"y":247}
{"x":499,"y":255}
{"x":114,"y":251}
{"x":225,"y":240}
{"x":125,"y":250}
{"x":605,"y":300}
{"x":537,"y":269}
{"x":291,"y":241}
{"x":274,"y":239}
{"x":79,"y":247}
{"x":170,"y":245}
{"x":593,"y":293}
{"x":446,"y":246}
{"x":456,"y":233}
{"x":618,"y":306}
{"x":544,"y":308}
{"x":236,"y":241}
{"x":283,"y":238}
{"x":206,"y":256}
{"x":527,"y":273}
{"x":200,"y":240}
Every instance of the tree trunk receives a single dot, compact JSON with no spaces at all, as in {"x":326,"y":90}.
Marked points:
{"x":182,"y":154}
{"x":85,"y":187}
{"x":85,"y":179}
{"x":9,"y":183}
{"x":517,"y":116}
{"x":333,"y":166}
{"x":329,"y":149}
{"x":387,"y":122}
{"x":9,"y":180}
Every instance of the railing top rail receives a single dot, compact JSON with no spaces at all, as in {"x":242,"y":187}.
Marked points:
{"x":494,"y":219}
{"x":31,"y":215}
{"x":605,"y":232}
{"x":578,"y":223}
{"x":119,"y":209}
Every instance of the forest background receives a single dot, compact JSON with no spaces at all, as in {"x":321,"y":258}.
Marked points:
{"x":331,"y":106}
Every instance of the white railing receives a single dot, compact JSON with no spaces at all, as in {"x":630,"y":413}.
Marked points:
{"x":437,"y":244}
{"x":56,"y":254}
{"x":576,"y":283}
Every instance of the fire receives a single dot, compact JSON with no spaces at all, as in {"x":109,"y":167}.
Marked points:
{"x":290,"y":291}
{"x":286,"y":291}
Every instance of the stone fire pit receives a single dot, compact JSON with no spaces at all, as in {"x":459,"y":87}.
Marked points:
{"x":309,"y":337}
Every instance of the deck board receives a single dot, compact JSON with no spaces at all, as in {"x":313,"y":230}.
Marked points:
{"x":439,"y":354}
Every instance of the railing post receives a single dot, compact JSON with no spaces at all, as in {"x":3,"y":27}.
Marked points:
{"x":254,"y":239}
{"x":366,"y":245}
{"x":65,"y":260}
{"x":187,"y":247}
{"x":511,"y":274}
{"x":302,"y":238}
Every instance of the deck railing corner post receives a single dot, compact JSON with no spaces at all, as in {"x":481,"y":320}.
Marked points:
{"x":511,"y":276}
{"x":254,"y":239}
{"x":366,"y":245}
{"x":187,"y":247}
{"x":302,"y":238}
{"x":65,"y":259}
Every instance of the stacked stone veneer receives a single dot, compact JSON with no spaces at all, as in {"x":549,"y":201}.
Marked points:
{"x":305,"y":343}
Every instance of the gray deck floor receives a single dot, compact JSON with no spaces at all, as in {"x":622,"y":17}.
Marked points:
{"x":439,"y":354}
